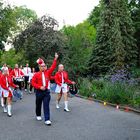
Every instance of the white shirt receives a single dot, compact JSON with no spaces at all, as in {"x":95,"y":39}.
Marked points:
{"x":31,"y":76}
{"x":43,"y":79}
{"x":62,"y":78}
{"x":27,"y":71}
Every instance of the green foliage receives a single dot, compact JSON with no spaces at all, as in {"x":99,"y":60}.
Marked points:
{"x":135,"y":14}
{"x":11,"y":58}
{"x":24,"y":17}
{"x":85,"y":87}
{"x":116,"y":93}
{"x":135,"y":72}
{"x":6,"y":22}
{"x":115,"y":45}
{"x":80,"y":41}
{"x":94,"y":16}
{"x":13,"y":20}
{"x":41,"y":40}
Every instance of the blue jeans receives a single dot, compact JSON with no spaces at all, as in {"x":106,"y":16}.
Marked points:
{"x":43,"y":96}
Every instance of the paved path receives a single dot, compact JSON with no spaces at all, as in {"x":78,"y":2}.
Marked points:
{"x":86,"y":121}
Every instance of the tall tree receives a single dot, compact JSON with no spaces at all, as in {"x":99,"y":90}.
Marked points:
{"x":6,"y":22}
{"x":134,"y":6}
{"x":115,"y":45}
{"x":80,"y":41}
{"x":94,"y":16}
{"x":13,"y":20}
{"x":41,"y":39}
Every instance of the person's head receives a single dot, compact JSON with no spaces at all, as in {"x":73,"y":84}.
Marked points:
{"x":16,"y":66}
{"x":21,"y":66}
{"x":60,"y":67}
{"x":5,"y":71}
{"x":5,"y":65}
{"x":43,"y":67}
{"x":33,"y":70}
{"x":27,"y":65}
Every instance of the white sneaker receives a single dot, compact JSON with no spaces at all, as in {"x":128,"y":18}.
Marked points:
{"x":9,"y":114}
{"x":48,"y":122}
{"x":57,"y":107}
{"x":4,"y":109}
{"x":25,"y":90}
{"x":66,"y":109}
{"x":2,"y":104}
{"x":38,"y":118}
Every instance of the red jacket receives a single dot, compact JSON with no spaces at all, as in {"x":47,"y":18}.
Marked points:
{"x":16,"y":73}
{"x":58,"y":78}
{"x":37,"y":78}
{"x":4,"y":84}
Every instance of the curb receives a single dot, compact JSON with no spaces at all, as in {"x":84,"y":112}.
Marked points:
{"x":124,"y":108}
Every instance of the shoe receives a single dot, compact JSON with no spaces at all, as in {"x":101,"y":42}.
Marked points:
{"x":2,"y":105}
{"x":48,"y":122}
{"x":39,"y":118}
{"x":66,"y":110}
{"x":30,"y":92}
{"x":25,"y":90}
{"x":57,"y":107}
{"x":9,"y":115}
{"x":4,"y":109}
{"x":9,"y":111}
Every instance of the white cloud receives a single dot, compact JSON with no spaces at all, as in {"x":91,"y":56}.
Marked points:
{"x":71,"y":11}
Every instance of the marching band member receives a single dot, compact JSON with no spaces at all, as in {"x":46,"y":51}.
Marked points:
{"x":61,"y":79}
{"x":30,"y":79}
{"x":40,"y":82}
{"x":27,"y":71}
{"x":2,"y":101}
{"x":5,"y":68}
{"x":6,"y":83}
{"x":17,"y":73}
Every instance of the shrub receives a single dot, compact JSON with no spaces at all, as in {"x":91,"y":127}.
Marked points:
{"x":85,"y":87}
{"x":116,"y":93}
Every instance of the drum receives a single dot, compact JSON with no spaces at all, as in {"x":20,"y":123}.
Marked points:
{"x":73,"y":89}
{"x":20,"y":79}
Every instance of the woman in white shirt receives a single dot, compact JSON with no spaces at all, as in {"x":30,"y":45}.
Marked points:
{"x":31,"y":74}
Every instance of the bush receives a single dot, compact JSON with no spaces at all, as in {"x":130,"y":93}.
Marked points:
{"x":85,"y":87}
{"x":117,"y":93}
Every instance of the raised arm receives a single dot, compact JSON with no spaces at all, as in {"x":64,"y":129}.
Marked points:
{"x":54,"y":64}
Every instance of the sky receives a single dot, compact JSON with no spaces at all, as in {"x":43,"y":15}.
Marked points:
{"x":70,"y":12}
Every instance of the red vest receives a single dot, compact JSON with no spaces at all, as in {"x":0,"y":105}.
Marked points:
{"x":4,"y":84}
{"x":37,"y":81}
{"x":58,"y":78}
{"x":16,"y":73}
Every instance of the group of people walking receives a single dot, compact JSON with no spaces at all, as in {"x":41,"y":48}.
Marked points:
{"x":40,"y":81}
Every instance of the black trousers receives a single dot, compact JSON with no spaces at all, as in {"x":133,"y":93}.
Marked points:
{"x":43,"y":96}
{"x":26,"y":81}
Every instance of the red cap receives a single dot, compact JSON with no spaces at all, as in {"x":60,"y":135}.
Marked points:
{"x":40,"y":61}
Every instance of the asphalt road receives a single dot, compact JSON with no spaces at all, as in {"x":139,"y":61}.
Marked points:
{"x":86,"y":121}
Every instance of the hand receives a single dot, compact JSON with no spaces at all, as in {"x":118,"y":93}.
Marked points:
{"x":42,"y":88}
{"x":17,"y":86}
{"x":56,"y":56}
{"x":73,"y":83}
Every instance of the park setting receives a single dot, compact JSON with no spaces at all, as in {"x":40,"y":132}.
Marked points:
{"x":80,"y":55}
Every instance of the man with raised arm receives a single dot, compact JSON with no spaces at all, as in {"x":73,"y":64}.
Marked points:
{"x":41,"y":82}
